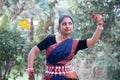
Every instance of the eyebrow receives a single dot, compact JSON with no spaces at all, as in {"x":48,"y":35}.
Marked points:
{"x":67,"y":22}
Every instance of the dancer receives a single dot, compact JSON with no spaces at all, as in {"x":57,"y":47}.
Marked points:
{"x":61,"y":48}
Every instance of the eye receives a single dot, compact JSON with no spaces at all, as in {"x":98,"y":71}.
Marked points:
{"x":64,"y":24}
{"x":70,"y":23}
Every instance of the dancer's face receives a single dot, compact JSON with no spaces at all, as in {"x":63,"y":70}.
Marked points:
{"x":66,"y":26}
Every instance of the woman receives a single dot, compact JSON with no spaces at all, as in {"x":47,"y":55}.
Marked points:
{"x":60,"y":50}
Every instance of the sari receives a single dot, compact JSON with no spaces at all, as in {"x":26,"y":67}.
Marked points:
{"x":58,"y":57}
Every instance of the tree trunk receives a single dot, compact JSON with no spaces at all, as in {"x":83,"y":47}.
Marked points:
{"x":0,"y":73}
{"x":31,"y":34}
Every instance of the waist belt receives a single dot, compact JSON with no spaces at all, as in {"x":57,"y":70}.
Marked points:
{"x":61,"y":70}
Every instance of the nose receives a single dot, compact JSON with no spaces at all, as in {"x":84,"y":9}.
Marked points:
{"x":67,"y":25}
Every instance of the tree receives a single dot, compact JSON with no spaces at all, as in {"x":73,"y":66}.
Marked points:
{"x":11,"y":49}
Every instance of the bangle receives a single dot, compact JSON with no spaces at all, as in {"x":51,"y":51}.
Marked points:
{"x":101,"y":28}
{"x":30,"y":68}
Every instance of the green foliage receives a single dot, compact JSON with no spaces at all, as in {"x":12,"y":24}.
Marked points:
{"x":111,"y":70}
{"x":11,"y":43}
{"x":14,"y":48}
{"x":114,"y":73}
{"x":43,"y":4}
{"x":39,"y":62}
{"x":11,"y":49}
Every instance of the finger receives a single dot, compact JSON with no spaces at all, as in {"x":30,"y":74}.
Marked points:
{"x":102,"y":13}
{"x":99,"y":17}
{"x":31,"y":74}
{"x":95,"y":16}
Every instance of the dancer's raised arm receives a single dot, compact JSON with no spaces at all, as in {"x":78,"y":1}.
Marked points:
{"x":95,"y":37}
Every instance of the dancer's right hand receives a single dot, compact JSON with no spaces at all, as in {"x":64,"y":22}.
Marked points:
{"x":30,"y":72}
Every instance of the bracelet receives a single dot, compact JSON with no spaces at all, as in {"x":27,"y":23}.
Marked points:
{"x":101,"y":28}
{"x":30,"y":68}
